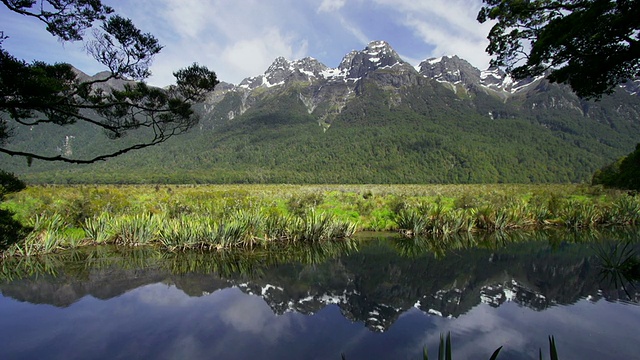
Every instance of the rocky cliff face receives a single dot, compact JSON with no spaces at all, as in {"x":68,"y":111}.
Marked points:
{"x":325,"y":91}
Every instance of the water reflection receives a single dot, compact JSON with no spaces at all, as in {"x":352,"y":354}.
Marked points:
{"x":500,"y":289}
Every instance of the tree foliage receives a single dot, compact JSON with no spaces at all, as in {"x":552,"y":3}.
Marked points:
{"x":10,"y":229}
{"x":591,"y":45}
{"x":37,"y":93}
{"x":623,"y":173}
{"x":432,"y":136}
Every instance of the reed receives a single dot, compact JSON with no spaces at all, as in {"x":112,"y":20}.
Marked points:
{"x":44,"y":238}
{"x":225,"y":216}
{"x":620,"y":265}
{"x":135,"y":230}
{"x":98,"y":229}
{"x":626,"y":210}
{"x":575,"y":214}
{"x":185,"y":232}
{"x":313,"y":227}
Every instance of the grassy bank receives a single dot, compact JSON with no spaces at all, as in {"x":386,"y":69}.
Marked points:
{"x":226,"y":216}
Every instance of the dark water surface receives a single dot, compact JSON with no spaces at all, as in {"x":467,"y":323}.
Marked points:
{"x":378,"y":298}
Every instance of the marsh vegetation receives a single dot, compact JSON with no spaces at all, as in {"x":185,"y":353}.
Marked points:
{"x":217,"y":217}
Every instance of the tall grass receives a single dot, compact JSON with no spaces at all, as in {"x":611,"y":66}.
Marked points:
{"x":445,"y":350}
{"x":45,"y":237}
{"x":313,"y":227}
{"x":225,"y":216}
{"x":97,"y":229}
{"x":569,"y":213}
{"x":135,"y":230}
{"x":239,"y":229}
{"x":620,"y":264}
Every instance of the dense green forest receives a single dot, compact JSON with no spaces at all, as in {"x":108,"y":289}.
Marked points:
{"x":623,"y":173}
{"x":423,"y":133}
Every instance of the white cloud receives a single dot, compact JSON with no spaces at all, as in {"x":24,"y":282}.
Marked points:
{"x":331,"y":5}
{"x":447,"y":43}
{"x":189,"y":18}
{"x":449,"y":26}
{"x":253,"y":56}
{"x":354,"y":30}
{"x":179,"y":56}
{"x":186,"y":346}
{"x":480,"y":331}
{"x":251,"y":314}
{"x":234,"y":39}
{"x":238,"y":39}
{"x":456,"y":15}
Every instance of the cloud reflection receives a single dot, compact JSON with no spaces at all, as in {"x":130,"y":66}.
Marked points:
{"x":523,"y":331}
{"x":252,"y":314}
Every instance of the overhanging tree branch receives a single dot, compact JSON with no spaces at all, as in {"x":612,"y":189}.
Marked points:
{"x":83,"y":161}
{"x":66,"y":19}
{"x":36,"y":94}
{"x":591,"y":45}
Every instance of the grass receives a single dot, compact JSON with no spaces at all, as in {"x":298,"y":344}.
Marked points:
{"x":238,"y":229}
{"x":620,"y":264}
{"x":81,"y":262}
{"x":445,"y":350}
{"x":216,"y":217}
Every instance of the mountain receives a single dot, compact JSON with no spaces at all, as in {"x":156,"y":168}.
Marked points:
{"x":373,"y":119}
{"x":373,"y":286}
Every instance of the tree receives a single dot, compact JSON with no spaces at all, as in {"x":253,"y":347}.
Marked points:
{"x":37,"y":93}
{"x":591,"y":45}
{"x":623,"y":173}
{"x":10,"y":229}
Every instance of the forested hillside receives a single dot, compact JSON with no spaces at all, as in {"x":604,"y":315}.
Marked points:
{"x":390,"y":124}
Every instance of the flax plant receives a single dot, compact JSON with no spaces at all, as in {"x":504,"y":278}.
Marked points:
{"x":45,"y":237}
{"x":227,"y":216}
{"x":185,"y":232}
{"x":313,"y":227}
{"x":231,"y":233}
{"x":135,"y":230}
{"x":576,"y":214}
{"x":626,"y":210}
{"x":98,"y":229}
{"x":276,"y":227}
{"x":411,"y":222}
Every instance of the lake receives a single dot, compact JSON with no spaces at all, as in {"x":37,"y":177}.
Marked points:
{"x":377,"y":297}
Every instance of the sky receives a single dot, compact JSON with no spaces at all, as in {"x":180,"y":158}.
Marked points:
{"x":241,"y":38}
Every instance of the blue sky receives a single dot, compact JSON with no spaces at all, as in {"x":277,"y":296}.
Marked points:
{"x":241,"y":38}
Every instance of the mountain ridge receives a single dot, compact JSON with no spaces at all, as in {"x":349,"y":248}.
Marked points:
{"x":373,"y":119}
{"x":379,"y":54}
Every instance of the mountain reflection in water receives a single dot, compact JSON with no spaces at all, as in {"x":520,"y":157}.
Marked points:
{"x":368,"y":298}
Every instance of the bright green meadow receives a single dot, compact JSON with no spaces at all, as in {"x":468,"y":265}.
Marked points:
{"x":214,"y":217}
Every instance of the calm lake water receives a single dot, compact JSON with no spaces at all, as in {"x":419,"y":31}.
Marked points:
{"x":374,"y":298}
